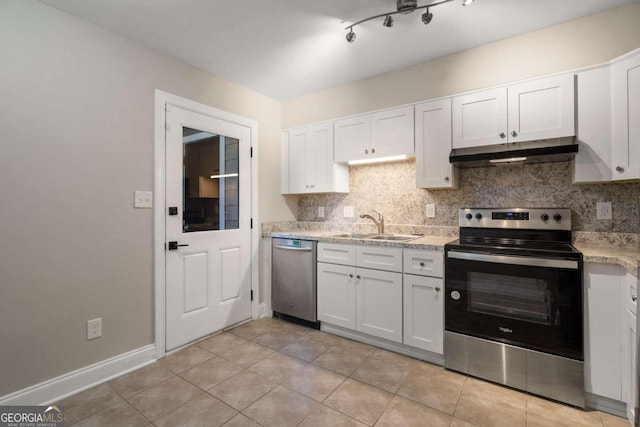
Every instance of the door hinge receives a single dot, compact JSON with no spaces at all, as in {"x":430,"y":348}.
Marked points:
{"x":251,"y":152}
{"x":251,"y":294}
{"x":251,"y":223}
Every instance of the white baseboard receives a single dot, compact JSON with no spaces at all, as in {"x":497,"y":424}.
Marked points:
{"x":262,"y":311}
{"x":58,"y":388}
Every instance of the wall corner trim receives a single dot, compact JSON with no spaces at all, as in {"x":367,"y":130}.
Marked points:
{"x":65,"y":385}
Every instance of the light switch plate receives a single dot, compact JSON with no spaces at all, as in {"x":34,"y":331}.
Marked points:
{"x":348,"y":212}
{"x":431,"y":210}
{"x":143,"y":199}
{"x":603,"y":210}
{"x":320,"y":211}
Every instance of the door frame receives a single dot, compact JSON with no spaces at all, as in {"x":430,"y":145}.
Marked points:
{"x":159,"y":209}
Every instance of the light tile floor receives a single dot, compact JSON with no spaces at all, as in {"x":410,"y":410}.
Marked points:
{"x":272,"y":373}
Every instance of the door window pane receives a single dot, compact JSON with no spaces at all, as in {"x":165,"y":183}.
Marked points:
{"x":210,"y":181}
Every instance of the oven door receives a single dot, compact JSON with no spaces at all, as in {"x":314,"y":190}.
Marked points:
{"x":530,"y":302}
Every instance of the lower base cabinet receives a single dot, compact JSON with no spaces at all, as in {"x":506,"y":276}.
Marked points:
{"x":632,"y":366}
{"x":362,"y":299}
{"x":424,"y":312}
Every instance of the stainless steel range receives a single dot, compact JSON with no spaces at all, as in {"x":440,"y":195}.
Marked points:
{"x":513,"y":307}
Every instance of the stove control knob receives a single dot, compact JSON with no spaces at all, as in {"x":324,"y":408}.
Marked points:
{"x":478,"y":216}
{"x":544,"y":217}
{"x":557,"y":217}
{"x":469,"y":216}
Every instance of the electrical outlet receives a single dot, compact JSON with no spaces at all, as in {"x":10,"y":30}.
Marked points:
{"x":348,"y":212}
{"x":320,"y":211}
{"x":431,"y":210}
{"x":143,"y":199}
{"x":94,"y":328}
{"x":603,"y":210}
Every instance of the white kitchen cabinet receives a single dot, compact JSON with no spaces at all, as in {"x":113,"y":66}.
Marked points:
{"x":593,"y":134}
{"x":529,"y":111}
{"x":424,"y":263}
{"x":353,"y":138}
{"x":308,"y":162}
{"x":603,"y":329}
{"x":379,"y":303}
{"x":379,"y":257}
{"x":542,"y":109}
{"x":371,"y":136}
{"x":630,"y":345}
{"x":479,"y":118}
{"x":433,"y":145}
{"x":423,"y":312}
{"x":625,"y":115}
{"x":336,"y":294}
{"x":376,"y":305}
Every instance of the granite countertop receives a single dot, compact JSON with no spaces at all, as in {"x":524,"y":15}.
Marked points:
{"x":432,"y":243}
{"x":625,"y":257}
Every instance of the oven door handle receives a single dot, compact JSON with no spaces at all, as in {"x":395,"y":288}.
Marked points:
{"x":514,"y":260}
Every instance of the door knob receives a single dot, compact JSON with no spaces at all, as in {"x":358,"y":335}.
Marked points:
{"x":174,"y":246}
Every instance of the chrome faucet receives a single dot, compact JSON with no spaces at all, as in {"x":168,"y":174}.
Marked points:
{"x":378,"y":222}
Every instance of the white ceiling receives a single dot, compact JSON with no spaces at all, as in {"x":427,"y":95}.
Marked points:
{"x":288,"y":48}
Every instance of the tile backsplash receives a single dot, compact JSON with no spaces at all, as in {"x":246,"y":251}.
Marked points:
{"x":390,"y":188}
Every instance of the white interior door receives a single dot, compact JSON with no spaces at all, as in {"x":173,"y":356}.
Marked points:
{"x":208,"y":248}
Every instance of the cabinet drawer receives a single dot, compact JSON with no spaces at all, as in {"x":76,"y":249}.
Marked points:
{"x":379,"y":258}
{"x":336,"y":253}
{"x":632,"y":294}
{"x":424,"y":263}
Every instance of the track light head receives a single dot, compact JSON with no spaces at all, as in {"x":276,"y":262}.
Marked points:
{"x":467,"y":2}
{"x":351,"y":36}
{"x":427,"y":17}
{"x":388,"y":21}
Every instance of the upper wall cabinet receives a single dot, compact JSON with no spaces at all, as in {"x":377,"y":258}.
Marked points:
{"x":593,"y":135}
{"x":534,"y":110}
{"x":308,"y":165}
{"x":625,"y":116}
{"x":371,"y":136}
{"x":433,"y":145}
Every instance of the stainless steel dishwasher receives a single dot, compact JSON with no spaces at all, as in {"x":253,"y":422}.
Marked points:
{"x":293,"y":278}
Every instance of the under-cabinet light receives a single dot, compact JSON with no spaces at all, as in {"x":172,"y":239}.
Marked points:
{"x":509,"y":160}
{"x":378,"y":160}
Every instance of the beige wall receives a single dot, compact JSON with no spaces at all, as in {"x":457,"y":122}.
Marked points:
{"x":585,"y":41}
{"x":77,"y":139}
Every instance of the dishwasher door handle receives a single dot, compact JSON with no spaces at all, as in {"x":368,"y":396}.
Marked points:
{"x":290,"y":248}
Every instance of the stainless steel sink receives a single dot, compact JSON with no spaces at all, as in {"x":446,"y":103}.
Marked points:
{"x":352,"y":235}
{"x":394,"y":237}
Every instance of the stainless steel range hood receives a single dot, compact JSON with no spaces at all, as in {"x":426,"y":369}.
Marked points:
{"x":548,"y":151}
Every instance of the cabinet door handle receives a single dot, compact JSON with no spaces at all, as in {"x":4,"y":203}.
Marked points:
{"x":373,"y":151}
{"x":514,"y":133}
{"x":502,"y":135}
{"x":366,"y":151}
{"x":634,"y":298}
{"x":350,"y":276}
{"x":619,"y":169}
{"x":422,"y":264}
{"x":358,"y":277}
{"x":437,"y":289}
{"x":446,"y":178}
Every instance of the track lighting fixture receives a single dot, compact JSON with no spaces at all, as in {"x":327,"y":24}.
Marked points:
{"x":351,"y":36}
{"x":404,"y":7}
{"x":427,"y":17}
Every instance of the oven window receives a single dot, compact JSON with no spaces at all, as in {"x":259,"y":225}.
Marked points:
{"x":514,"y":297}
